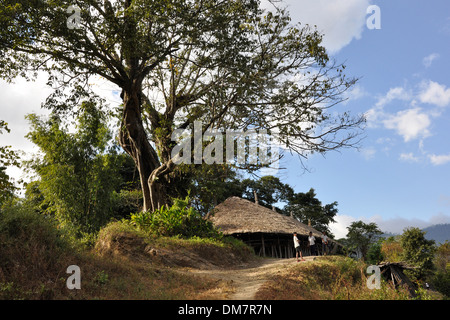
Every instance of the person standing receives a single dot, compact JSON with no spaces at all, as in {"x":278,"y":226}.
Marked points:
{"x":298,"y":251}
{"x":324,"y":243}
{"x":312,"y":244}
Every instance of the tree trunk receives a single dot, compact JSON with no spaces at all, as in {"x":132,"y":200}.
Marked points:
{"x":133,"y":139}
{"x":158,"y":194}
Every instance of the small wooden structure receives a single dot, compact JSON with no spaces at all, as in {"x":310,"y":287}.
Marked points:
{"x":268,"y":232}
{"x":393,"y":272}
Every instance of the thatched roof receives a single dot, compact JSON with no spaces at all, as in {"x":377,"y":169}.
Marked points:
{"x":400,"y":265}
{"x":236,"y":215}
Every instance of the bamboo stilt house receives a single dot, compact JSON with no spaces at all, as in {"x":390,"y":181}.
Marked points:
{"x":268,"y":232}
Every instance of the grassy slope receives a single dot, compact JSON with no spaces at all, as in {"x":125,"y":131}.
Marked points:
{"x":34,"y":256}
{"x":329,"y":278}
{"x":128,"y":264}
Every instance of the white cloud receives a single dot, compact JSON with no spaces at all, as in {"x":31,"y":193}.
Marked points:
{"x":438,"y":160}
{"x":397,"y":93}
{"x":377,"y":113}
{"x":394,"y":225}
{"x":435,"y":93}
{"x":368,"y":153}
{"x":410,"y":124}
{"x":340,"y":21}
{"x":339,"y":228}
{"x":18,"y":99}
{"x":373,"y":117}
{"x":415,"y":121}
{"x":355,"y":93}
{"x":24,"y":97}
{"x":398,"y":224}
{"x":409,"y":157}
{"x":428,"y":60}
{"x":439,"y":218}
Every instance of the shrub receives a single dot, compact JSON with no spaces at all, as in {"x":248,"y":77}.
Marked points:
{"x":179,"y":219}
{"x":418,"y":251}
{"x":374,"y":254}
{"x":328,"y":278}
{"x":32,"y":253}
{"x":392,"y":249}
{"x":127,"y":202}
{"x":441,"y":281}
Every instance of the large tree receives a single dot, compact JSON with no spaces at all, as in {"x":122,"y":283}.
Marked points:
{"x":418,"y":250}
{"x":307,"y":208}
{"x":226,"y":63}
{"x":268,"y":189}
{"x":361,"y":236}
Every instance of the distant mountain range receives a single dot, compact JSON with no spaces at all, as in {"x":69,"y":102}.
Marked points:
{"x":438,"y":232}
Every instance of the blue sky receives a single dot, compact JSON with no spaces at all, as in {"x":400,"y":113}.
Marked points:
{"x":400,"y":177}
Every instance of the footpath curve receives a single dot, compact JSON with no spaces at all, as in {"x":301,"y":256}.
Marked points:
{"x":247,"y":279}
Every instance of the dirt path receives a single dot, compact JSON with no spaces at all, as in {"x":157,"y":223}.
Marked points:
{"x":246,"y":280}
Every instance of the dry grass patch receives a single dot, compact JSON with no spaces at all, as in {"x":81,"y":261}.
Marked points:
{"x":35,"y":256}
{"x":327,"y":278}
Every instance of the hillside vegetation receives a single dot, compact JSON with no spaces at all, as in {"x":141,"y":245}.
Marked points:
{"x":128,"y":263}
{"x":124,"y":264}
{"x":327,"y":278}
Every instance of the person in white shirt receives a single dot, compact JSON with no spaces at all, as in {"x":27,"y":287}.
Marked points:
{"x":298,"y":250}
{"x":324,"y":243}
{"x":312,"y":244}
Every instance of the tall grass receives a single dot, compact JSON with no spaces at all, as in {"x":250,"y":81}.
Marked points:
{"x":330,"y":278}
{"x":33,"y":255}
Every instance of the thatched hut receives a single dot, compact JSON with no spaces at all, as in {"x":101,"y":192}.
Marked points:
{"x":268,"y":232}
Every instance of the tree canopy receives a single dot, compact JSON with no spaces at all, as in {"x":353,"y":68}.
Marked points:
{"x":361,"y":236}
{"x":307,"y":208}
{"x":418,"y":250}
{"x":229,"y":64}
{"x":8,"y":157}
{"x":77,"y":173}
{"x":268,"y":189}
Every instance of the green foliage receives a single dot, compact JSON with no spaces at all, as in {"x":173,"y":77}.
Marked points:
{"x":442,"y":257}
{"x":269,"y":190}
{"x":392,"y":250}
{"x":422,"y":294}
{"x":361,"y":236}
{"x":127,"y":202}
{"x":329,"y":278}
{"x":178,"y":220}
{"x":33,"y":252}
{"x":8,"y":157}
{"x":417,"y":250}
{"x":231,"y":64}
{"x":18,"y":222}
{"x":102,"y":278}
{"x":441,"y":281}
{"x":211,"y":185}
{"x":374,"y":254}
{"x":78,"y":172}
{"x":308,"y":208}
